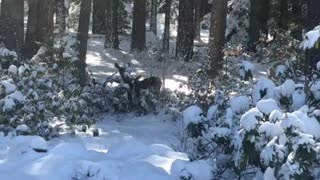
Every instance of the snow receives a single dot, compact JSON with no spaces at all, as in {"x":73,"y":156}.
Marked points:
{"x":211,"y":114}
{"x":298,"y":97}
{"x":21,"y":70}
{"x":318,"y":65}
{"x":13,"y":69}
{"x":266,"y":106}
{"x":271,"y":129}
{"x":199,"y":170}
{"x":280,"y":70}
{"x":6,"y":52}
{"x":8,"y":105}
{"x":38,"y":143}
{"x":269,"y":174}
{"x":315,"y":89}
{"x":263,"y":89}
{"x":22,"y":128}
{"x":287,"y":88}
{"x":275,"y":116}
{"x":310,"y":39}
{"x":8,"y":85}
{"x":249,"y":120}
{"x":192,"y":114}
{"x":289,"y":120}
{"x":240,"y":104}
{"x":17,"y":96}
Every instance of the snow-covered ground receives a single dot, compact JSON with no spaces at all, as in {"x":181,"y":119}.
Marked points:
{"x":128,"y":147}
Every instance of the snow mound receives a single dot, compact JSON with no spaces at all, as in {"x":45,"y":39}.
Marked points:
{"x":263,"y":89}
{"x":13,"y":69}
{"x":22,"y":128}
{"x":298,"y":97}
{"x":315,"y":89}
{"x":275,"y":116}
{"x":8,"y":104}
{"x":271,"y":129}
{"x":287,"y":88}
{"x":240,"y":104}
{"x":192,"y":114}
{"x":196,"y":170}
{"x":9,"y":87}
{"x":310,"y":39}
{"x":212,"y":112}
{"x":266,"y":106}
{"x":39,"y":144}
{"x":249,"y":120}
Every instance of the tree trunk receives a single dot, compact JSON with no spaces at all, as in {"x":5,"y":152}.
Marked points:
{"x":60,"y":17}
{"x":297,"y":18}
{"x":30,"y":46}
{"x":197,"y":19}
{"x":153,"y":18}
{"x":184,"y":47}
{"x":313,"y":55}
{"x":112,"y":40}
{"x":82,"y":37}
{"x":166,"y":33}
{"x":254,"y":33}
{"x":217,"y":36}
{"x":14,"y":10}
{"x":98,"y":16}
{"x":138,"y":35}
{"x":283,"y":21}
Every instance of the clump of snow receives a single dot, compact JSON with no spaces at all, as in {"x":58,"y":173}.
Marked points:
{"x":298,"y":97}
{"x":316,"y":113}
{"x":266,"y":106}
{"x":280,"y":70}
{"x":13,"y":69}
{"x":192,"y":114}
{"x":240,"y":104}
{"x":212,"y":111}
{"x":8,"y":85}
{"x":287,"y":88}
{"x":8,"y":104}
{"x":197,"y":170}
{"x":271,"y":129}
{"x":220,"y":132}
{"x":289,"y":120}
{"x":21,"y":70}
{"x":263,"y":89}
{"x":22,"y":128}
{"x":6,"y":52}
{"x":275,"y":115}
{"x":249,"y":120}
{"x":315,"y":89}
{"x":269,"y":174}
{"x":17,"y":96}
{"x":39,"y":144}
{"x":310,"y":39}
{"x":246,"y":67}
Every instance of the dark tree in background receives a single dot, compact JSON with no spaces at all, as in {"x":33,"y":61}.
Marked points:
{"x":284,"y":14}
{"x":166,"y":33}
{"x":217,"y":37}
{"x":82,"y":37}
{"x":197,"y":18}
{"x":138,"y":35}
{"x":313,"y":55}
{"x":112,"y":40}
{"x":254,"y":32}
{"x":153,"y":17}
{"x":60,"y":23}
{"x":39,"y":27}
{"x":99,"y":16}
{"x":184,"y":46}
{"x":296,"y":12}
{"x":13,"y":10}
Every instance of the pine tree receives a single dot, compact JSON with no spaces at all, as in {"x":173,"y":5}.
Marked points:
{"x":60,"y":17}
{"x":284,"y":14}
{"x":184,"y":46}
{"x":138,"y":35}
{"x":39,"y":27}
{"x":153,"y":18}
{"x":98,"y":16}
{"x":166,"y":33}
{"x":112,"y":40}
{"x":82,"y":37}
{"x":217,"y":36}
{"x":13,"y":10}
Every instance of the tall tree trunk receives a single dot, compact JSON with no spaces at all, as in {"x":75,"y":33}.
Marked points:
{"x":82,"y":37}
{"x":313,"y":55}
{"x":112,"y":40}
{"x":283,"y":21}
{"x":297,"y":18}
{"x":138,"y":35}
{"x":217,"y":36}
{"x":153,"y":18}
{"x":14,"y":10}
{"x":98,"y":16}
{"x":184,"y":46}
{"x":197,"y":19}
{"x":166,"y":33}
{"x":30,"y":45}
{"x":254,"y":33}
{"x":60,"y":17}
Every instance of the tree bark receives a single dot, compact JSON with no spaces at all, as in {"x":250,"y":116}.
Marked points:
{"x":217,"y":36}
{"x":112,"y":40}
{"x":98,"y":16}
{"x":82,"y":37}
{"x":254,"y":32}
{"x":14,"y":10}
{"x":197,"y":19}
{"x":60,"y":17}
{"x":166,"y":33}
{"x":138,"y":35}
{"x":184,"y":46}
{"x":283,"y":21}
{"x":153,"y":18}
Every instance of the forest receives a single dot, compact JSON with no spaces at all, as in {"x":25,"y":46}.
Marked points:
{"x":159,"y":89}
